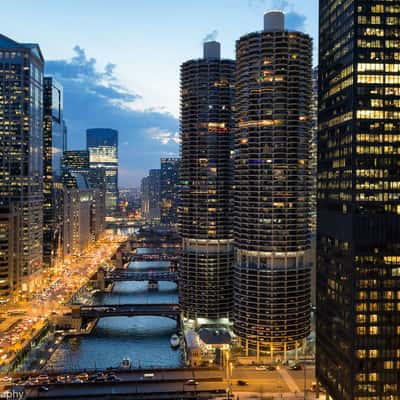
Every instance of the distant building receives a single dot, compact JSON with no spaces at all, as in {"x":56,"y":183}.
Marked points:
{"x":150,"y":190}
{"x":53,"y":148}
{"x":76,"y":163}
{"x":102,"y":145}
{"x":77,"y":215}
{"x":21,"y":150}
{"x":169,"y":190}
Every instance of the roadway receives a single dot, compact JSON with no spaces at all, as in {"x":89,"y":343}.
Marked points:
{"x":127,"y":310}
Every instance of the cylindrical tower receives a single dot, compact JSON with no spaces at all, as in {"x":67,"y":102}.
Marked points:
{"x":205,"y":272}
{"x":272,"y":175}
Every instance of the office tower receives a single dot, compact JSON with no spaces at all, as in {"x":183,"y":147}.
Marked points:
{"x":102,"y":145}
{"x":144,"y":194}
{"x":169,"y":190}
{"x":150,"y":191}
{"x":53,"y":148}
{"x":78,"y":201}
{"x":76,"y":162}
{"x":10,"y":252}
{"x":21,"y":147}
{"x":272,"y":188}
{"x":206,"y":128}
{"x":358,"y":302}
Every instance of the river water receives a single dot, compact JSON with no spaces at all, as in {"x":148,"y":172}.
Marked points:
{"x":145,"y":340}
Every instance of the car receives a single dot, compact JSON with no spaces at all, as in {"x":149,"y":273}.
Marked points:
{"x":261,"y":368}
{"x":43,"y":388}
{"x":271,"y":368}
{"x":6,"y":379}
{"x":242,"y":383}
{"x":296,"y":367}
{"x":101,"y":379}
{"x":192,"y":382}
{"x":83,"y":376}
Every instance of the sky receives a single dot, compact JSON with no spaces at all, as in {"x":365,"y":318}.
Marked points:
{"x":119,"y":61}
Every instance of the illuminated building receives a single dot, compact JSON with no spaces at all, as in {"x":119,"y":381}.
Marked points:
{"x":76,"y":163}
{"x":272,"y":278}
{"x":78,"y":201}
{"x":102,"y":145}
{"x":206,"y":128}
{"x":21,"y":147}
{"x":10,"y":252}
{"x":53,"y":147}
{"x":150,"y":192}
{"x":358,"y":240}
{"x":169,"y":190}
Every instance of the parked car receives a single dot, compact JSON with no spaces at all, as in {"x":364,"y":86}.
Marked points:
{"x":242,"y":383}
{"x":261,"y":368}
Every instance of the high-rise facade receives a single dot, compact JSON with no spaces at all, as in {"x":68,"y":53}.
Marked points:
{"x":272,"y":278}
{"x":150,"y":192}
{"x":53,"y":148}
{"x":169,"y":190}
{"x":358,"y":297}
{"x":21,"y":148}
{"x":205,"y":271}
{"x":102,"y":145}
{"x":78,"y":175}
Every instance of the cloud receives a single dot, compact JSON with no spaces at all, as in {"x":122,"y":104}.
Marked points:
{"x":164,"y":136}
{"x":293,"y":19}
{"x":210,"y":37}
{"x":96,"y":98}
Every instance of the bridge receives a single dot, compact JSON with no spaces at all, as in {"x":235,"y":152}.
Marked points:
{"x":123,"y":274}
{"x":84,"y":313}
{"x":152,"y":257}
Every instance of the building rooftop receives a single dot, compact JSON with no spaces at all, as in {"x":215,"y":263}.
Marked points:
{"x":215,"y":335}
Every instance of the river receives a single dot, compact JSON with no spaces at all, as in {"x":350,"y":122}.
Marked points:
{"x":145,"y":340}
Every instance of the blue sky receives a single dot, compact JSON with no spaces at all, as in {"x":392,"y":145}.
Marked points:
{"x":119,"y":60}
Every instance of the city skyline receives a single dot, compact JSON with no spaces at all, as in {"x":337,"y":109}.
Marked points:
{"x":124,"y":88}
{"x":261,"y":261}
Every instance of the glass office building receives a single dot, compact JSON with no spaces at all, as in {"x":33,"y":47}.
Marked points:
{"x":21,"y":148}
{"x":272,"y":279}
{"x":102,"y":145}
{"x":53,"y":148}
{"x":358,"y":240}
{"x":205,"y":219}
{"x":169,"y":190}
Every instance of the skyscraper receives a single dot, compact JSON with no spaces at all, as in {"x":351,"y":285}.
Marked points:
{"x":169,"y":190}
{"x":53,"y":148}
{"x":150,"y":191}
{"x":205,"y":272}
{"x":21,"y":148}
{"x":358,"y":298}
{"x":76,"y":163}
{"x":102,"y":145}
{"x":272,"y":193}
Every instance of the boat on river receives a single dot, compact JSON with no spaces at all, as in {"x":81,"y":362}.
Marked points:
{"x":126,"y":363}
{"x":175,"y":341}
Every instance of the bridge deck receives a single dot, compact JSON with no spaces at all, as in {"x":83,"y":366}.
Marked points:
{"x":128,"y":310}
{"x":127,"y":275}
